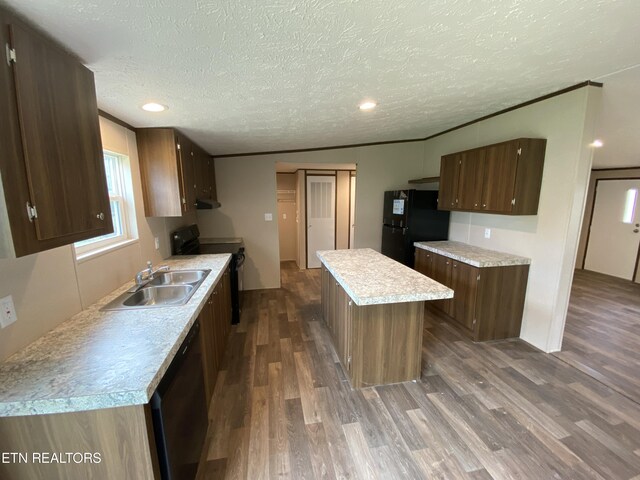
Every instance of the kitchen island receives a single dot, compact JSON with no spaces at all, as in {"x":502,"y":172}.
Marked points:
{"x":374,"y":307}
{"x":81,"y":392}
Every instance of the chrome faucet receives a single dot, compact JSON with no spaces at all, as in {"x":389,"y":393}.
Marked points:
{"x":140,"y":276}
{"x":145,"y":276}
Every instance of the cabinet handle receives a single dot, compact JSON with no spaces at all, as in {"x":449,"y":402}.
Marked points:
{"x":100,"y":216}
{"x":484,"y":204}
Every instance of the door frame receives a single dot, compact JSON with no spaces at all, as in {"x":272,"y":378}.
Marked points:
{"x":593,"y":205}
{"x":330,"y":173}
{"x":352,"y":220}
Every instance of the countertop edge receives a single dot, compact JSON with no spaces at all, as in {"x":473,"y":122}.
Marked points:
{"x":113,"y":399}
{"x":382,"y":300}
{"x":515,"y":260}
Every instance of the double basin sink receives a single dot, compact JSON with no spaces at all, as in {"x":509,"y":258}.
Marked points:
{"x":165,"y":289}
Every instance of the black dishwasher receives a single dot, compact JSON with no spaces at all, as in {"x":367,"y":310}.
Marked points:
{"x":179,"y":411}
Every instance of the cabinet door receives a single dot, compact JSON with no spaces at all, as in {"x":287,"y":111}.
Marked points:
{"x":208,"y":341}
{"x":203,"y":176}
{"x":187,"y":174}
{"x":449,"y":177}
{"x":500,"y":166}
{"x":324,"y":294}
{"x":212,"y":178}
{"x":332,"y":302}
{"x":442,"y":274}
{"x":58,"y":118}
{"x":219,"y":321}
{"x":464,"y":282}
{"x":342,"y":332}
{"x":424,"y":262}
{"x":470,"y":179}
{"x":226,"y":304}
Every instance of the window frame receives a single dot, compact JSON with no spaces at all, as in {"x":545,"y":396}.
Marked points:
{"x":111,"y":241}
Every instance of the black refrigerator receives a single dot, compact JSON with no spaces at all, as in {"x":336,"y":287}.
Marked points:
{"x":411,"y":216}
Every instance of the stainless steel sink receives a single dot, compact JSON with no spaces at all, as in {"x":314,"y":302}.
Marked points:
{"x":159,"y":296}
{"x":179,"y":277}
{"x":166,"y":289}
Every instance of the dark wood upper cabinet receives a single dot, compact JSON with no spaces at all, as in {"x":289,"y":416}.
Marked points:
{"x":175,"y":172}
{"x":504,"y":178}
{"x":205,"y":178}
{"x":449,"y":177}
{"x":187,"y":173}
{"x":472,"y":166}
{"x":51,"y":160}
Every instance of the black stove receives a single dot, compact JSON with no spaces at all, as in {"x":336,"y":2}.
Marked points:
{"x":187,"y":241}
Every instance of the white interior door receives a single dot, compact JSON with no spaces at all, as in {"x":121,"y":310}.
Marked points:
{"x":321,"y":216}
{"x":352,"y":211}
{"x":615,"y":228}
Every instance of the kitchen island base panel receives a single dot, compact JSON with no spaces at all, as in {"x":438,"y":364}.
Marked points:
{"x":387,"y":343}
{"x":376,"y":344}
{"x":122,"y":438}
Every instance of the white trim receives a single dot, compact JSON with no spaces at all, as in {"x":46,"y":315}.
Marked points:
{"x":104,"y":250}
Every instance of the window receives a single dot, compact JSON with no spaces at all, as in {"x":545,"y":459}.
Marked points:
{"x":118,"y":175}
{"x":630,"y":205}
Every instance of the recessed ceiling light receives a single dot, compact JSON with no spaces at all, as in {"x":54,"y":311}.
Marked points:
{"x":154,"y":107}
{"x":596,"y":143}
{"x":368,"y":105}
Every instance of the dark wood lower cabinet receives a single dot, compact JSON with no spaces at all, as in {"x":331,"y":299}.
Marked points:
{"x":377,"y":344}
{"x":487,"y":303}
{"x":215,"y":321}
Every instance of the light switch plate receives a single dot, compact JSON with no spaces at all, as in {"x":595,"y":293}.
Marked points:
{"x":7,"y":312}
{"x":487,"y":233}
{"x":157,"y":242}
{"x":268,"y":217}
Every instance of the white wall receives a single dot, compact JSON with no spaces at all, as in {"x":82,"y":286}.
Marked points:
{"x":247,"y":190}
{"x":550,"y":238}
{"x":49,"y":287}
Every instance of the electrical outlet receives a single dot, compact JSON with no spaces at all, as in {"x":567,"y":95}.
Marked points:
{"x":7,"y":312}
{"x":157,"y":242}
{"x":284,"y":216}
{"x":268,"y":217}
{"x":487,"y":233}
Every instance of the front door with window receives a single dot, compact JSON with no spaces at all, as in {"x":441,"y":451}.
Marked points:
{"x":614,"y":236}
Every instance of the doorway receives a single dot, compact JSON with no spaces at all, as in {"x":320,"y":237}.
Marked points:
{"x":613,"y":239}
{"x":316,"y":210}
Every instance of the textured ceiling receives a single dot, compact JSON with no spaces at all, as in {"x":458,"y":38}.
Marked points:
{"x":241,"y":76}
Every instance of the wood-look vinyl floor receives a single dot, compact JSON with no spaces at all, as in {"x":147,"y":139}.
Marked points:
{"x":283,"y":408}
{"x":602,"y":332}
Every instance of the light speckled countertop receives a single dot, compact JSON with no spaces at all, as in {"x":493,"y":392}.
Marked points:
{"x":103,"y":359}
{"x":371,"y":278}
{"x":476,"y":256}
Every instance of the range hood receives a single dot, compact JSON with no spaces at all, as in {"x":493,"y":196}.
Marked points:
{"x":206,"y":204}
